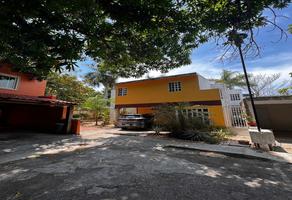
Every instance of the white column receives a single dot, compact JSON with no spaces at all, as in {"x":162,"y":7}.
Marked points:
{"x":113,"y":111}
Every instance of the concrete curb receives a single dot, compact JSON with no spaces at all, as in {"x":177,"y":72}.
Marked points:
{"x":130,"y":134}
{"x":236,"y":152}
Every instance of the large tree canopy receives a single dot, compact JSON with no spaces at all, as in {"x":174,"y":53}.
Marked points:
{"x":132,"y":37}
{"x":232,"y":79}
{"x":68,"y":88}
{"x":233,"y":22}
{"x":101,"y":75}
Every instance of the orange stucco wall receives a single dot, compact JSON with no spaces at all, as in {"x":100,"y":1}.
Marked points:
{"x":216,"y":115}
{"x":26,"y":86}
{"x":156,"y":91}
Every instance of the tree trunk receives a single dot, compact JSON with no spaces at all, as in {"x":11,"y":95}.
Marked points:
{"x":96,"y":119}
{"x":106,"y":88}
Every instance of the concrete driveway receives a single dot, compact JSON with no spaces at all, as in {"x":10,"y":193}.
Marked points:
{"x":106,"y":166}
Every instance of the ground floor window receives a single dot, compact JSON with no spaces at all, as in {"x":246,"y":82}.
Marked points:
{"x":200,"y":113}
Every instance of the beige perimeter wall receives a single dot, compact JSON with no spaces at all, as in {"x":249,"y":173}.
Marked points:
{"x":275,"y":116}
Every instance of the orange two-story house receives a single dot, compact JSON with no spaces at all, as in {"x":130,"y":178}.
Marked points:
{"x":142,"y":96}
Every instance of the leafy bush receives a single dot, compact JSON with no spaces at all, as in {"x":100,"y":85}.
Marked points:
{"x":76,"y":116}
{"x":164,"y":117}
{"x":181,"y":126}
{"x":98,"y":106}
{"x":173,"y":119}
{"x":86,"y":115}
{"x":106,"y":117}
{"x":219,"y":134}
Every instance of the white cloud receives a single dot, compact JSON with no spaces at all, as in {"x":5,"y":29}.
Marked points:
{"x":284,"y":70}
{"x":204,"y":68}
{"x":277,"y":63}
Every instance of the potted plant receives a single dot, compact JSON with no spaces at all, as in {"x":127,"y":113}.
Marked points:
{"x":250,"y":120}
{"x":252,"y":123}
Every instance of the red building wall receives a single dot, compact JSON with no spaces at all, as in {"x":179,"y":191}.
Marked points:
{"x":26,"y":86}
{"x":32,"y":117}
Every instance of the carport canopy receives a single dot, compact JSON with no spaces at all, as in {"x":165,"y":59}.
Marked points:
{"x":47,"y":104}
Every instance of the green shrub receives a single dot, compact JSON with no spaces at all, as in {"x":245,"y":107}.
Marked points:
{"x":98,"y":107}
{"x":106,"y":117}
{"x":86,"y":116}
{"x":76,"y":116}
{"x":220,"y":134}
{"x":174,"y":120}
{"x":163,"y":116}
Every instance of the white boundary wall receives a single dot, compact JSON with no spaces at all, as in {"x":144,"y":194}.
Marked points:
{"x":231,"y":102}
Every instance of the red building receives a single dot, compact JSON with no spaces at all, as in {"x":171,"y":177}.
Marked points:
{"x":23,"y":104}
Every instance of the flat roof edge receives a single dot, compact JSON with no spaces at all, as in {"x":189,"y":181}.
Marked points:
{"x":157,"y":78}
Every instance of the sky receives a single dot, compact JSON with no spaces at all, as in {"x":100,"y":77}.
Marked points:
{"x":275,"y":56}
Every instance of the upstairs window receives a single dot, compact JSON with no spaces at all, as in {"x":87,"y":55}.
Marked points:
{"x":174,"y":86}
{"x":235,"y":97}
{"x":122,"y":91}
{"x":8,"y":82}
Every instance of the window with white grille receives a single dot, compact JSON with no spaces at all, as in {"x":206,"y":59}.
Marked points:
{"x":174,"y":86}
{"x":200,"y":113}
{"x":234,"y":97}
{"x":8,"y":82}
{"x":237,"y":116}
{"x":122,"y":91}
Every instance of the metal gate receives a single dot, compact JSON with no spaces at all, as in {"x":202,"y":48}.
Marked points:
{"x":237,"y":117}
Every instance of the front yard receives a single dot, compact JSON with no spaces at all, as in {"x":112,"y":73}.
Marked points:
{"x":109,"y":166}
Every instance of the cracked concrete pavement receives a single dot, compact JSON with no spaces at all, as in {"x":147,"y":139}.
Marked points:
{"x":125,"y":167}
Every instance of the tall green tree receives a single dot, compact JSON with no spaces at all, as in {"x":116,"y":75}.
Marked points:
{"x":68,"y":88}
{"x":99,"y":76}
{"x":232,"y":79}
{"x":98,"y":106}
{"x":290,"y":28}
{"x":132,"y":36}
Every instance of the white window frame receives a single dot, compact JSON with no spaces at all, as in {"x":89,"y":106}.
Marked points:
{"x":174,"y":86}
{"x":124,"y":91}
{"x":235,"y":97}
{"x":201,"y":113}
{"x":12,"y":76}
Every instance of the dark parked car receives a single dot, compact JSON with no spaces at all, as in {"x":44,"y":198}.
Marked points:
{"x":134,"y":121}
